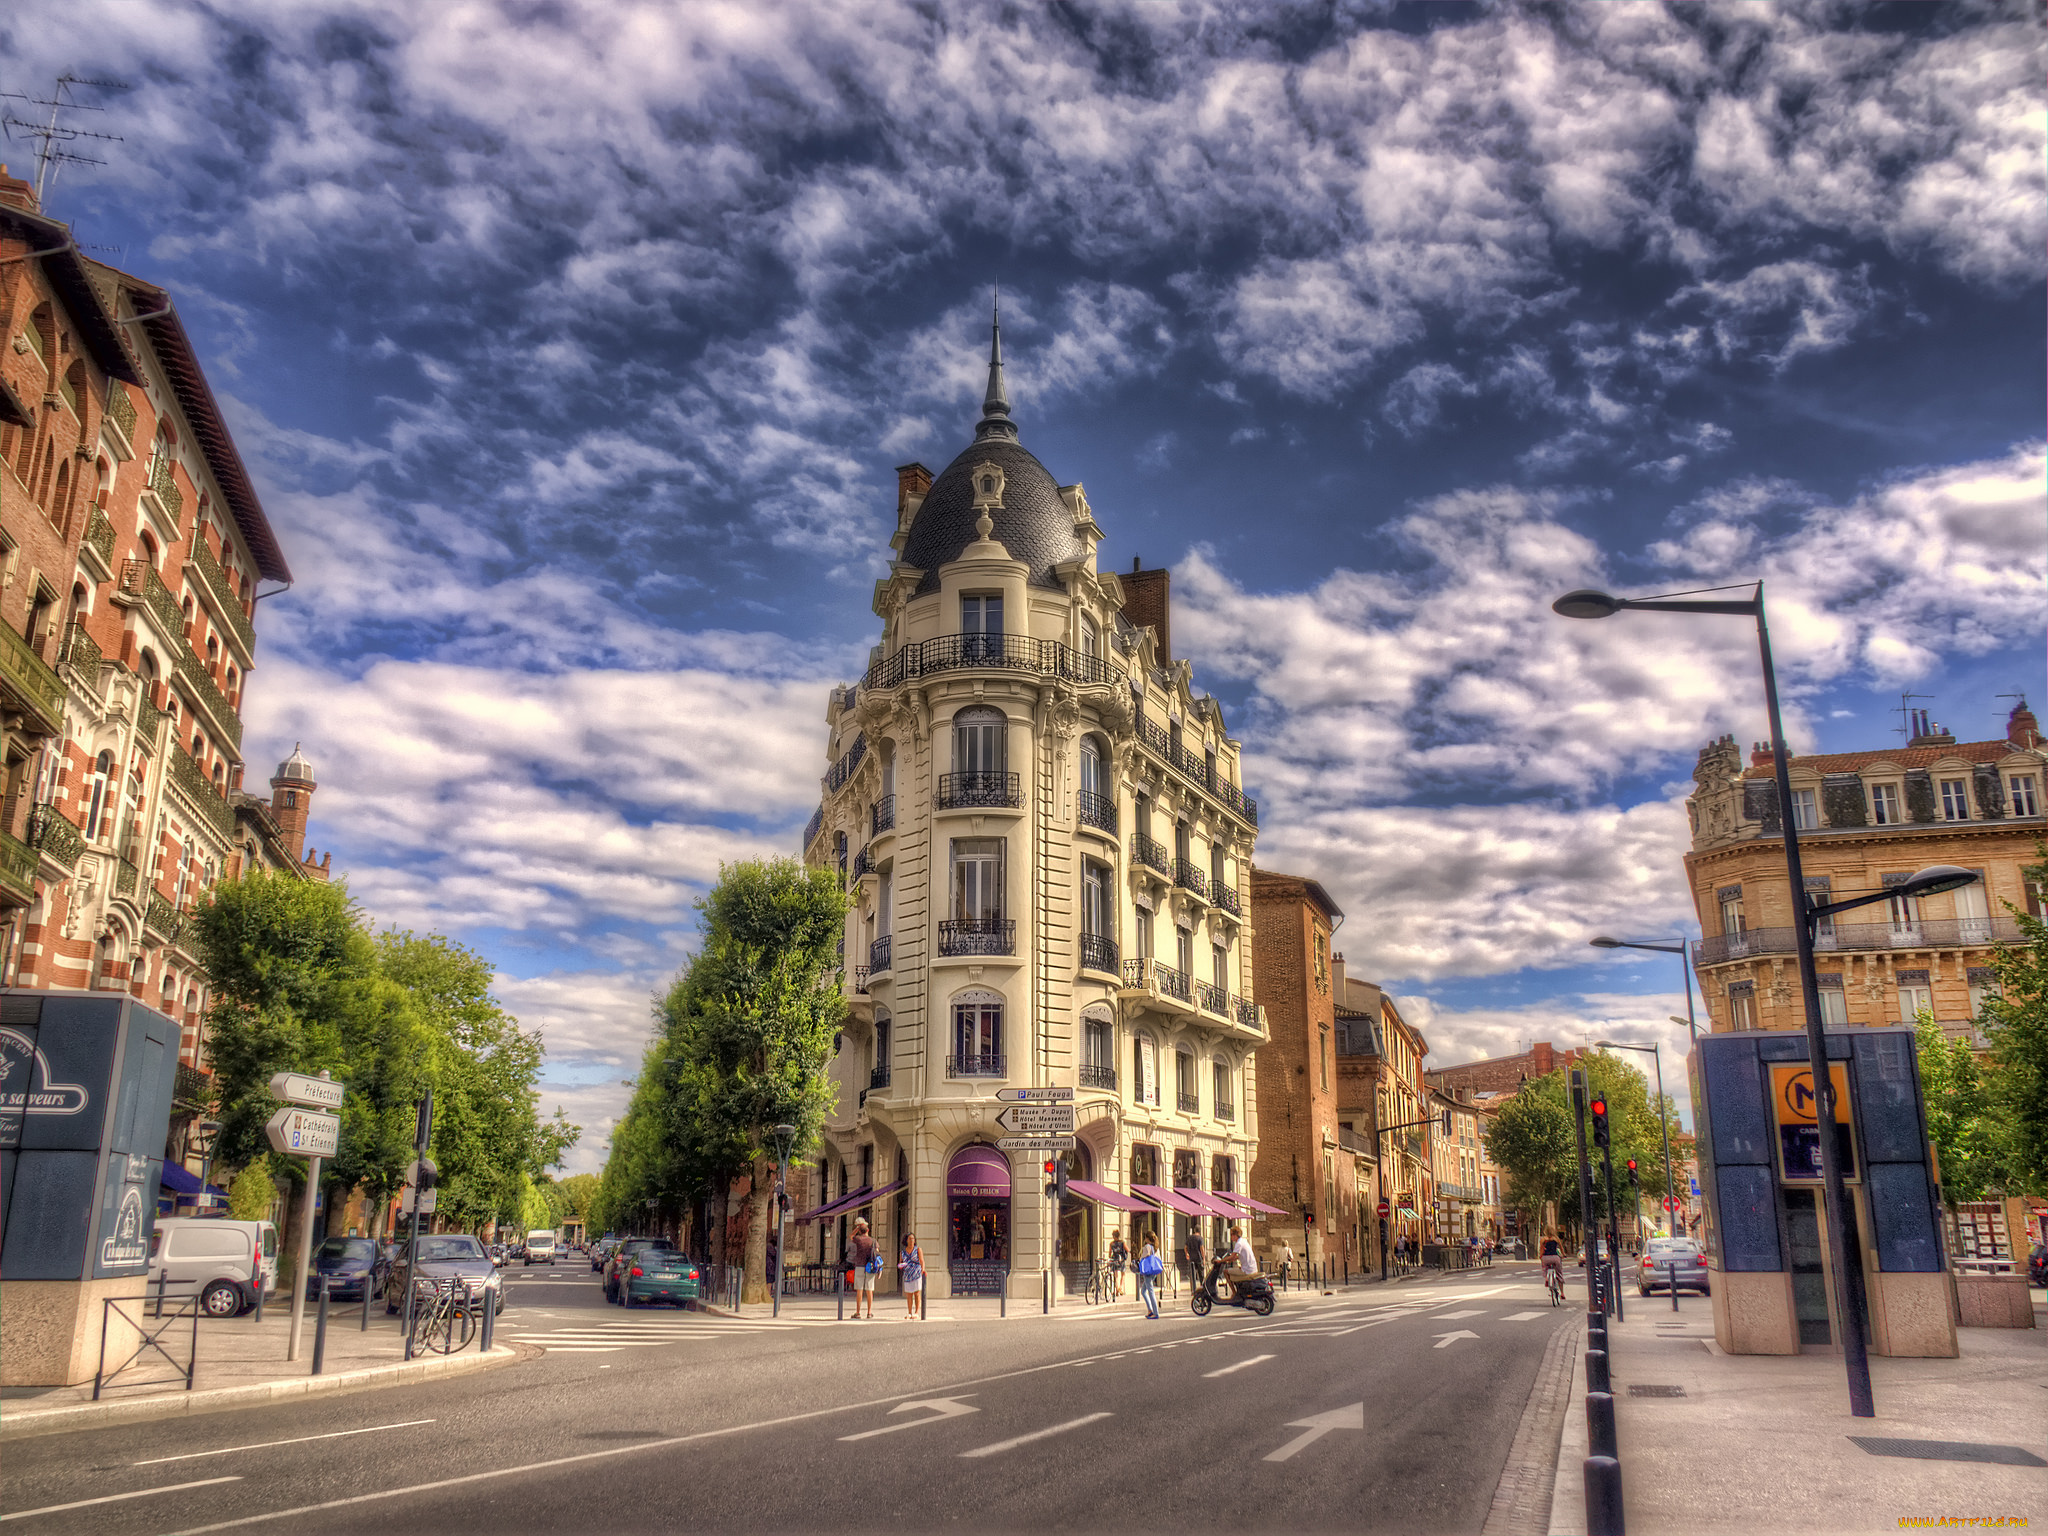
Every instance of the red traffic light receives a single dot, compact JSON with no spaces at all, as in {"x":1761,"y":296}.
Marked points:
{"x":1599,"y":1106}
{"x":1048,"y":1167}
{"x":1631,"y":1165}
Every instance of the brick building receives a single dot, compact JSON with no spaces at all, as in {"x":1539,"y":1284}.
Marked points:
{"x":1383,"y":1100}
{"x":1502,"y":1075}
{"x":1313,"y":1163}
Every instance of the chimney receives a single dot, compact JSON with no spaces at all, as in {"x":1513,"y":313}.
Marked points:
{"x":1759,"y":755}
{"x":911,"y":480}
{"x":17,"y":193}
{"x":1928,"y":733}
{"x":1148,"y":603}
{"x":2021,"y":728}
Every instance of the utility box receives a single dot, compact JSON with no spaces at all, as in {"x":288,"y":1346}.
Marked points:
{"x":1765,"y":1210}
{"x":85,"y":1106}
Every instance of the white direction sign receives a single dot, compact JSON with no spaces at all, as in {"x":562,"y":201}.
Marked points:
{"x":303,"y":1133}
{"x":1037,"y":1119}
{"x":1035,"y":1143}
{"x":947,"y":1408}
{"x":1035,"y":1095}
{"x":298,"y":1088}
{"x":1317,"y":1425}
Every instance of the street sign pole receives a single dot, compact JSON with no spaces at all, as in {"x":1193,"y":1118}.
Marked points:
{"x":1588,"y":1232}
{"x":291,"y":1348}
{"x":423,"y":1135}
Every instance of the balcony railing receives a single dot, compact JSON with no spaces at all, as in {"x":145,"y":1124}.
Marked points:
{"x":849,"y":760}
{"x":121,"y":413}
{"x":1098,"y":1077}
{"x":1851,"y":938}
{"x":978,"y":936}
{"x":161,"y":917}
{"x":141,"y":584}
{"x":860,"y":978}
{"x":187,"y":775}
{"x":1172,"y":982}
{"x":1098,"y":953}
{"x":1353,"y":1141}
{"x":1225,"y":1110}
{"x":82,"y":652}
{"x":1098,"y":811}
{"x":1212,"y":999}
{"x":224,"y":598}
{"x":1247,"y":1014}
{"x":29,"y":677}
{"x":1190,"y":1103}
{"x":99,"y":538}
{"x":1190,"y":878}
{"x":1225,"y":897}
{"x":987,"y":1064}
{"x":1196,"y":768}
{"x":879,"y":1078}
{"x":17,"y":868}
{"x":1151,"y":853}
{"x":878,"y":953}
{"x":884,"y":818}
{"x":53,"y":835}
{"x":127,"y":878}
{"x":980,"y":790}
{"x":863,"y":864}
{"x":1009,"y":653}
{"x":814,"y":826}
{"x":149,"y":725}
{"x":164,"y":487}
{"x":206,"y":693}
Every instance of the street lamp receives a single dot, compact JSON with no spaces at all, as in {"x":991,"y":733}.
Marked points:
{"x":1662,"y":947}
{"x":1663,"y":1114}
{"x":1849,"y":1302}
{"x":783,"y":1136}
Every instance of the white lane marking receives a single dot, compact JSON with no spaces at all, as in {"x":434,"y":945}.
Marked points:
{"x":1452,"y":1317}
{"x":229,"y":1450}
{"x":583,"y":1349}
{"x":1317,"y":1425}
{"x":115,"y":1498}
{"x":948,"y":1408}
{"x":1255,"y":1359}
{"x":1446,"y":1340}
{"x":1037,"y":1434}
{"x":1526,"y":1317}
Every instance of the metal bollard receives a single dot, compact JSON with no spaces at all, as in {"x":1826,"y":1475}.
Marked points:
{"x":1597,"y":1377}
{"x":1045,"y":1290}
{"x":320,"y":1327}
{"x":1674,"y":1285}
{"x":839,"y":1290}
{"x":489,"y":1323}
{"x":259,"y":1298}
{"x":1603,"y":1497}
{"x":1600,"y":1424}
{"x":367,"y":1288}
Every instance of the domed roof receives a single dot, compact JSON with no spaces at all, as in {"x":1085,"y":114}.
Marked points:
{"x":1033,"y":523}
{"x":295,"y":767}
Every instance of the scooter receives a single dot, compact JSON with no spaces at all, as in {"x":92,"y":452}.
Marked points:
{"x":1254,"y":1294}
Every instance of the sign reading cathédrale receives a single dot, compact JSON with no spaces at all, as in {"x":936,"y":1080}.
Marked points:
{"x":303,"y":1133}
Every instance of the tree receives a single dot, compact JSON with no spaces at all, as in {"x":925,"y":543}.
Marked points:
{"x":578,"y":1190}
{"x":2016,"y":1024}
{"x":1533,"y":1140}
{"x":252,"y":1194}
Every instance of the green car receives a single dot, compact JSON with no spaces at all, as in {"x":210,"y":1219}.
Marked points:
{"x":660,"y":1274}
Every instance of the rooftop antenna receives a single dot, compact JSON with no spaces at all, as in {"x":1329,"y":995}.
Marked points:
{"x":1905,"y":713}
{"x":52,"y":136}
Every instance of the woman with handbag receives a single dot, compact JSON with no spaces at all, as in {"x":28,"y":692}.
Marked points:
{"x":865,"y":1260}
{"x":912,"y":1267}
{"x":1150,"y":1267}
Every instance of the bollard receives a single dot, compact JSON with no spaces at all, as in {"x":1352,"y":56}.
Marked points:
{"x":320,"y":1327}
{"x":839,"y":1290}
{"x":1603,"y":1497}
{"x":161,"y":1281}
{"x":1597,"y":1377}
{"x":259,"y":1297}
{"x":1674,"y":1285}
{"x":1045,"y":1291}
{"x":1600,"y":1424}
{"x":366,"y":1301}
{"x":1003,"y":1296}
{"x":489,"y":1324}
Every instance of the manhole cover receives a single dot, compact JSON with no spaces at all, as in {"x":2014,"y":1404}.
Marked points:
{"x":1654,"y":1389}
{"x":1949,"y":1450}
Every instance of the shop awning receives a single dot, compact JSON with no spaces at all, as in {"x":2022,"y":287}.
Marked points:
{"x":1102,"y":1194}
{"x":177,"y":1177}
{"x":1249,"y":1203}
{"x":978,"y":1172}
{"x":865,"y":1195}
{"x":1214,"y":1205}
{"x":1172,"y":1199}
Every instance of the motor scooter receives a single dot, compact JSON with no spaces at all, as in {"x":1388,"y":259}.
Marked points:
{"x":1254,"y":1294}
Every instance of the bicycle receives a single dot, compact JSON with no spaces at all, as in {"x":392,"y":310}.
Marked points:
{"x":1553,"y":1281}
{"x":443,"y":1320}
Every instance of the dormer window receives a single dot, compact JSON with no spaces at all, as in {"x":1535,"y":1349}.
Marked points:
{"x":1805,"y":810}
{"x":1884,"y":805}
{"x":1955,"y":799}
{"x":2025,"y":797}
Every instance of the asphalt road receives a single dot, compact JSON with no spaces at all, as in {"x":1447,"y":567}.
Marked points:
{"x":1388,"y":1409}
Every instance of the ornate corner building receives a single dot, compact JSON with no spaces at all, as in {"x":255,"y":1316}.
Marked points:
{"x":1866,"y":821}
{"x":132,"y":544}
{"x":1043,"y":828}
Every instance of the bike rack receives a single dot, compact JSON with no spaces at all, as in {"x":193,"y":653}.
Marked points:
{"x":152,"y":1339}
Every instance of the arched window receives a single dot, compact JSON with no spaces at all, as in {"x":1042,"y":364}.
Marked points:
{"x":99,"y":798}
{"x":149,"y":550}
{"x":186,"y":862}
{"x":977,"y":1034}
{"x":1091,"y":765}
{"x":1144,"y":1070}
{"x":980,"y":741}
{"x":1098,"y":1047}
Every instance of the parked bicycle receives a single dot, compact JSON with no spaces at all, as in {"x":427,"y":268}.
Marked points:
{"x":444,"y":1316}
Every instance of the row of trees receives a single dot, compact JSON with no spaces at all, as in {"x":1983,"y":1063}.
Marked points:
{"x":742,"y":1038}
{"x":301,"y":985}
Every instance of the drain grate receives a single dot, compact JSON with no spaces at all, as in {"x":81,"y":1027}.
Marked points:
{"x":1949,"y":1450}
{"x":1654,"y":1389}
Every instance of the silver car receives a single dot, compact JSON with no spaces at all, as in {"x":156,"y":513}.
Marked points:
{"x":1672,"y":1260}
{"x":445,"y":1256}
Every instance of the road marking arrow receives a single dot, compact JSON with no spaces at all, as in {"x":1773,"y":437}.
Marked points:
{"x":947,"y":1408}
{"x":1446,"y":1340}
{"x":1317,"y":1426}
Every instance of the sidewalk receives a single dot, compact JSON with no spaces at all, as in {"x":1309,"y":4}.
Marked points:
{"x":1754,"y":1443}
{"x":241,"y":1363}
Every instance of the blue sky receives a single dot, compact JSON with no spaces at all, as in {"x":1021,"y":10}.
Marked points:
{"x":573,"y":347}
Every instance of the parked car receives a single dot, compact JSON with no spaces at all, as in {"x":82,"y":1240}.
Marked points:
{"x":621,"y":1260}
{"x":659,"y":1274}
{"x":349,"y":1264}
{"x":601,"y":1252}
{"x":1654,"y":1268}
{"x":540,"y":1248}
{"x":221,"y":1262}
{"x":447,"y":1256}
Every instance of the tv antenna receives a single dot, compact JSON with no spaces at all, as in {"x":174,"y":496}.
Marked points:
{"x":53,"y":138}
{"x":1905,"y":713}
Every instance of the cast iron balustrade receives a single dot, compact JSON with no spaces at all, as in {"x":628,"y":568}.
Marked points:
{"x":1190,"y":1104}
{"x":29,"y":676}
{"x":17,"y":867}
{"x":1840,"y":938}
{"x":982,"y":790}
{"x":191,"y":780}
{"x":1098,"y":811}
{"x":860,"y":978}
{"x":164,"y":487}
{"x":884,"y":819}
{"x":141,"y":584}
{"x":121,"y":414}
{"x":82,"y":652}
{"x":1224,"y":896}
{"x":1225,"y":1110}
{"x":99,"y":538}
{"x":1194,"y":766}
{"x":978,"y":936}
{"x":1247,"y":1013}
{"x":127,"y":878}
{"x":863,"y":864}
{"x":879,"y":1078}
{"x":1172,"y":982}
{"x":1352,"y":1141}
{"x":986,"y":1064}
{"x":1098,"y":1077}
{"x":1010,"y":653}
{"x":878,"y":953}
{"x":207,"y":695}
{"x":161,"y":917}
{"x":1213,"y":999}
{"x":1152,"y":853}
{"x":1190,"y":878}
{"x":1098,"y":953}
{"x":55,"y":836}
{"x":849,"y":760}
{"x":224,"y":596}
{"x":149,"y":725}
{"x":814,"y":826}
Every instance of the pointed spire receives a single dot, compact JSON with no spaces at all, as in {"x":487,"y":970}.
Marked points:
{"x":995,"y":406}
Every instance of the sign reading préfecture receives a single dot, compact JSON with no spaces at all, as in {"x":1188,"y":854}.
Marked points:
{"x":298,"y":1088}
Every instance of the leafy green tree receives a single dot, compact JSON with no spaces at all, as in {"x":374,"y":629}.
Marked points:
{"x":1959,"y":1121}
{"x":2016,"y":1024}
{"x":252,"y":1193}
{"x":578,"y":1190}
{"x":1532,"y":1139}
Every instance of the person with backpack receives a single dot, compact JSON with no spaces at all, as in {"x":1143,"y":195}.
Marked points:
{"x":1150,"y":1267}
{"x":1119,"y":1259}
{"x":865,"y":1260}
{"x":911,"y":1265}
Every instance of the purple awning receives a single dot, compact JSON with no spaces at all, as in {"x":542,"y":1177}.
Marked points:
{"x":978,"y":1173}
{"x":1249,"y":1203}
{"x":1172,"y":1199}
{"x":831,"y":1208}
{"x":1102,"y":1194}
{"x":1212,"y":1204}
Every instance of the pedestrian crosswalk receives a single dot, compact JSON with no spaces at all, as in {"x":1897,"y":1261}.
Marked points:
{"x":581,"y":1334}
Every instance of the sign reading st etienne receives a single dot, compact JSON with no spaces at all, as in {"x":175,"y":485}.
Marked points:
{"x":302,"y":1133}
{"x":298,"y":1088}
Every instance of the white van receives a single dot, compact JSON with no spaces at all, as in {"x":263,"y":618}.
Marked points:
{"x":540,"y":1248}
{"x":221,"y":1262}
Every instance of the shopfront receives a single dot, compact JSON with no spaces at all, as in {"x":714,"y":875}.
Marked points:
{"x":978,"y":1219}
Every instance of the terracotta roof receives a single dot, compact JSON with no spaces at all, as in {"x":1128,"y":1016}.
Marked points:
{"x":1905,"y":757}
{"x":51,"y":243}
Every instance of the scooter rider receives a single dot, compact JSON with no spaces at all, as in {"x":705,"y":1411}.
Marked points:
{"x":1243,"y":1263}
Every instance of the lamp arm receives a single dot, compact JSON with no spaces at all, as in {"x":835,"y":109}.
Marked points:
{"x":1668,"y":606}
{"x":1819,"y":909}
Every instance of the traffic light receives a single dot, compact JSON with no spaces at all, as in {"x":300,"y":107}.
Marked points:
{"x":1600,"y":1122}
{"x":1634,"y":1180}
{"x":1055,"y":1178}
{"x":1050,"y":1165}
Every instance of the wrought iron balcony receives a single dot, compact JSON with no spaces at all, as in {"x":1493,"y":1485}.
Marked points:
{"x":121,"y":414}
{"x":192,"y":782}
{"x":208,"y":696}
{"x":1195,"y":768}
{"x":849,"y":760}
{"x":980,"y":790}
{"x":1008,"y":653}
{"x":30,"y":679}
{"x":1190,"y":1104}
{"x":54,"y":836}
{"x":1172,"y":982}
{"x":164,"y":487}
{"x":860,"y":978}
{"x":814,"y":826}
{"x":884,"y":818}
{"x":1098,"y":811}
{"x":1098,"y":953}
{"x":879,"y":1078}
{"x":99,"y":542}
{"x":1189,"y":878}
{"x":1853,"y":938}
{"x":1225,"y":897}
{"x":1213,"y":999}
{"x":17,"y":869}
{"x":878,"y":953}
{"x":224,"y":596}
{"x":1248,"y":1015}
{"x":987,"y":1064}
{"x":1098,"y":1077}
{"x":1225,"y":1110}
{"x":863,"y":864}
{"x":1151,"y":853}
{"x":978,"y":936}
{"x":82,"y":652}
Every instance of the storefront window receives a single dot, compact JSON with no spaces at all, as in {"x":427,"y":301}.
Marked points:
{"x":978,"y":1219}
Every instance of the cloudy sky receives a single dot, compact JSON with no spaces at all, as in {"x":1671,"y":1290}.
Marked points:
{"x":573,"y":345}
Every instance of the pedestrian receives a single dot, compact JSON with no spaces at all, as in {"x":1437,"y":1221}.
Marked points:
{"x":865,"y":1262}
{"x":911,"y":1264}
{"x":1195,"y":1255}
{"x":1119,"y":1257}
{"x":1150,"y":1266}
{"x":1286,"y":1262}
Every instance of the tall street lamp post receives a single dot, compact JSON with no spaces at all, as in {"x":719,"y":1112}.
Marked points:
{"x":1662,"y":947}
{"x":1663,"y":1114}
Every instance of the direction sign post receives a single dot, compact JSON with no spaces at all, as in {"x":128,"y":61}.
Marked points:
{"x":296,"y":1088}
{"x":309,"y":1134}
{"x":1037,"y":1119}
{"x":1035,"y":1143}
{"x":1035,"y":1095}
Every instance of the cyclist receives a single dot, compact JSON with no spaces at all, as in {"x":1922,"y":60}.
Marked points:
{"x":1553,"y":1257}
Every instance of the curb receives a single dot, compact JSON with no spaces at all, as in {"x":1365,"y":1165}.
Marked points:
{"x":56,"y":1421}
{"x":1523,"y":1499}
